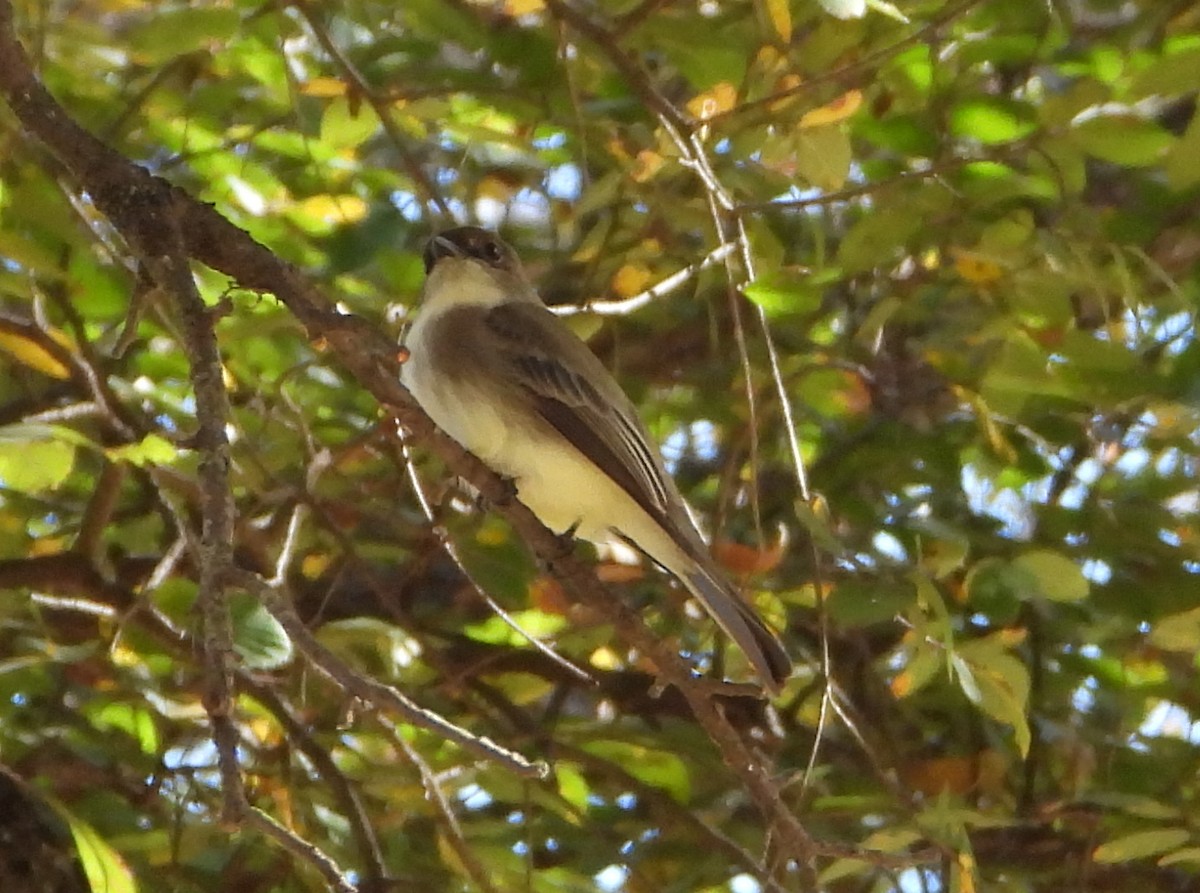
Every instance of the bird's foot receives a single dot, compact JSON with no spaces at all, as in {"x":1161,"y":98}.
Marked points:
{"x":499,"y":496}
{"x":566,"y":541}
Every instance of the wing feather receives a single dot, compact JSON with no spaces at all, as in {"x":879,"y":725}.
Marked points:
{"x":577,"y":396}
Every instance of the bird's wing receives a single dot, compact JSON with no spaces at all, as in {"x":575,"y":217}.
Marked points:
{"x":578,"y":397}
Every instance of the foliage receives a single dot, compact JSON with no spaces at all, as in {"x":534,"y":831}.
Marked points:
{"x":971,"y":233}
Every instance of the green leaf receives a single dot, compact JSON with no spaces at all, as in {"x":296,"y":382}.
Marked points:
{"x":1053,"y":576}
{"x":153,"y":449}
{"x":992,"y":120}
{"x":877,"y":238}
{"x":1141,"y":844}
{"x":780,"y":295}
{"x":536,"y":624}
{"x":1124,"y":140}
{"x":572,"y":786}
{"x":36,"y":458}
{"x":907,"y":134}
{"x":997,"y":682}
{"x":823,"y":155}
{"x":169,"y":33}
{"x":657,"y":768}
{"x":990,"y":590}
{"x":1178,"y":632}
{"x":1172,"y":74}
{"x":257,"y":636}
{"x":1189,"y":855}
{"x":919,"y":670}
{"x":135,"y":720}
{"x":346,"y":128}
{"x":104,"y":867}
{"x":1183,"y":161}
{"x":854,"y":603}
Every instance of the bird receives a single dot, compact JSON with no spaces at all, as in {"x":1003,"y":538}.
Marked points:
{"x":504,"y":377}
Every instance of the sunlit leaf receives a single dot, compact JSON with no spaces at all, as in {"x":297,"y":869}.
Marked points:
{"x":173,"y":32}
{"x":1053,"y":576}
{"x":991,"y":120}
{"x":1123,"y":140}
{"x":258,"y":638}
{"x":1178,"y":632}
{"x":1141,"y":844}
{"x":653,"y":767}
{"x":779,"y":294}
{"x":721,"y":97}
{"x":104,"y":867}
{"x":154,"y":449}
{"x":346,"y":126}
{"x":779,"y":14}
{"x":33,"y":458}
{"x":35,"y":356}
{"x":823,"y":155}
{"x":830,"y":113}
{"x":845,"y":9}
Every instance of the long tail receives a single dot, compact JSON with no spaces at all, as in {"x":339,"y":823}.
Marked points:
{"x":740,"y":623}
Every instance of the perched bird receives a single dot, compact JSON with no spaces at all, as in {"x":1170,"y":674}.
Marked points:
{"x":502,"y":375}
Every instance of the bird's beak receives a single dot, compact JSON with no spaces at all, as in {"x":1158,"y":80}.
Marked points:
{"x":437,"y":248}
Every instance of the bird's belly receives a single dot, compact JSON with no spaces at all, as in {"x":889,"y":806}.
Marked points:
{"x":553,"y":479}
{"x":567,"y":491}
{"x":466,"y":415}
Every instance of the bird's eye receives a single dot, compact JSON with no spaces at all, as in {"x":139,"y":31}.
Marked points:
{"x":492,"y":251}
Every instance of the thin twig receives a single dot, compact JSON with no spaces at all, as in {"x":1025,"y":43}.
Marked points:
{"x":451,"y":550}
{"x":351,"y":804}
{"x":371,"y":692}
{"x":661,"y":289}
{"x":866,"y":63}
{"x":381,"y":106}
{"x":446,"y":818}
{"x":298,"y":846}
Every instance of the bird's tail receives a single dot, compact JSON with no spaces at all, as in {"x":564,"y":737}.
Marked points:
{"x":740,"y":623}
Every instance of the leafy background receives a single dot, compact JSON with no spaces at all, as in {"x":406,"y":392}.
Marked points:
{"x":971,"y":233}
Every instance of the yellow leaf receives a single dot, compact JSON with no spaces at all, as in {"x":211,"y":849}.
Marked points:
{"x":30,"y":353}
{"x":617,"y":150}
{"x":975,"y":268}
{"x":631,"y":280}
{"x":716,"y":99}
{"x":966,"y":878}
{"x":604,"y":658}
{"x":324,"y":87}
{"x":785,"y":87}
{"x":781,"y":18}
{"x":832,"y":112}
{"x":491,"y":533}
{"x":769,"y":59}
{"x":314,"y":564}
{"x":1177,"y":632}
{"x":334,"y":208}
{"x":518,"y":8}
{"x":46,"y":545}
{"x":1012,"y":636}
{"x":646,"y":165}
